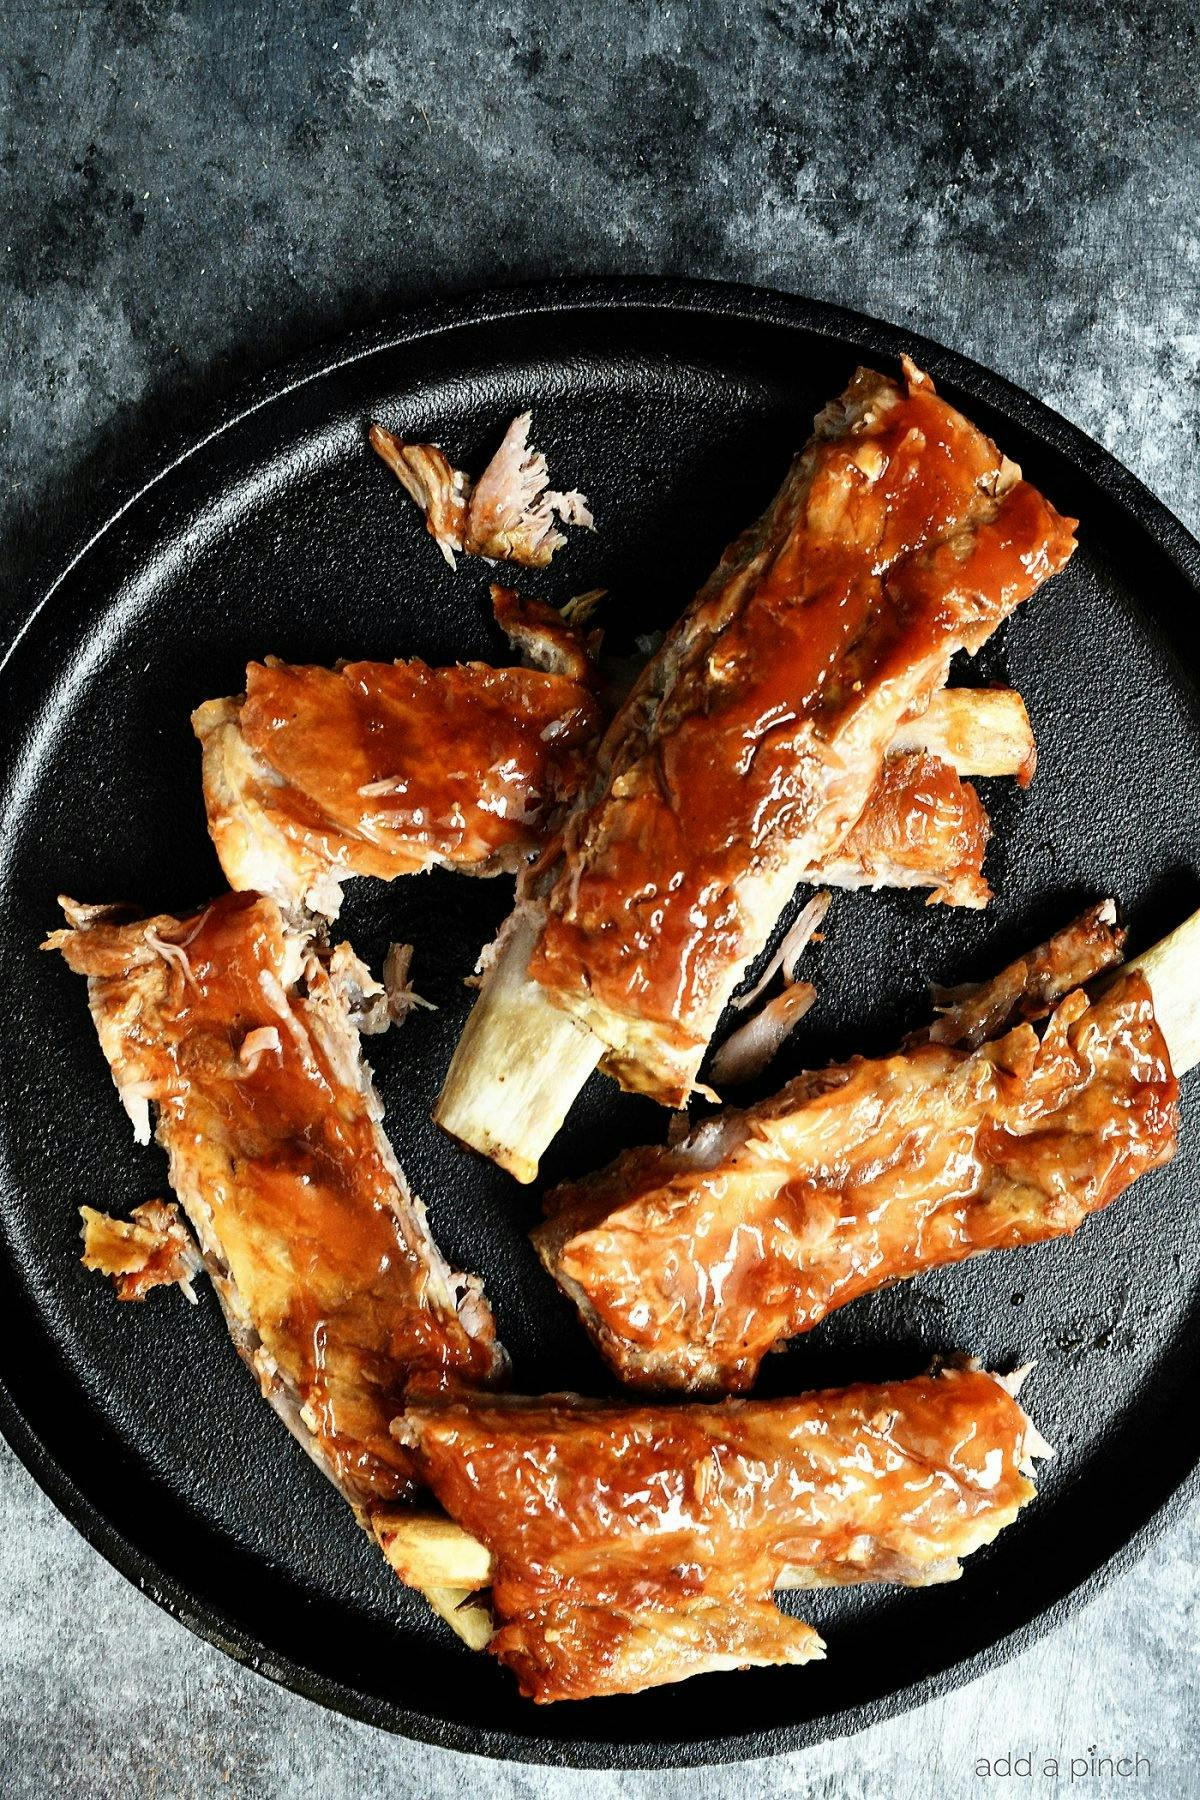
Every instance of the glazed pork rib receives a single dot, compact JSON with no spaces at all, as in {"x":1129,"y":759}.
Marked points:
{"x":628,"y":1545}
{"x":746,"y":753}
{"x":386,"y":769}
{"x":239,"y":1034}
{"x":689,"y":1263}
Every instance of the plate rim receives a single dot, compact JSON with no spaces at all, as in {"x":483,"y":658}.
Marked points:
{"x":166,"y":451}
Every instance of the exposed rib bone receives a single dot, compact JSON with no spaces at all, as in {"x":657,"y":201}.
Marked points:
{"x":540,"y":1057}
{"x":1172,"y":967}
{"x":978,"y":731}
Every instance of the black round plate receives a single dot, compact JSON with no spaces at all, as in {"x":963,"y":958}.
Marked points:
{"x":275,"y":530}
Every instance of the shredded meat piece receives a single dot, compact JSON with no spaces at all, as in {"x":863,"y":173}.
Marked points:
{"x":580,"y":607}
{"x":402,"y":997}
{"x":632,"y":1545}
{"x":440,"y":490}
{"x":792,"y":946}
{"x":545,"y":636}
{"x":747,"y":1051}
{"x":150,"y":1249}
{"x":688,"y":1263}
{"x":512,"y":510}
{"x":506,"y":516}
{"x":364,"y":1000}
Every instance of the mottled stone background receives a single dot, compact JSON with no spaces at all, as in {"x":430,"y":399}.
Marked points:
{"x":193,"y":192}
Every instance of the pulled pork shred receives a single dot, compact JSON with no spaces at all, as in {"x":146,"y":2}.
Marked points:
{"x":401,"y":996}
{"x":791,"y":947}
{"x":549,"y":638}
{"x":150,"y":1249}
{"x":424,"y":473}
{"x":747,"y":1051}
{"x":508,"y":515}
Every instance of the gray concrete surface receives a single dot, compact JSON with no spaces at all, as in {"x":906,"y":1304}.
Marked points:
{"x":192,"y":192}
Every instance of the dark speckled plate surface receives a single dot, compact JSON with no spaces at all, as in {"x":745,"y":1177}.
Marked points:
{"x":271,"y":528}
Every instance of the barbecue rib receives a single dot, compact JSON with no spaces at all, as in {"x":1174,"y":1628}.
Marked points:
{"x":333,"y":1289}
{"x":388,"y":769}
{"x":627,"y":1546}
{"x":747,"y":751}
{"x":238,"y":1033}
{"x":689,"y":1263}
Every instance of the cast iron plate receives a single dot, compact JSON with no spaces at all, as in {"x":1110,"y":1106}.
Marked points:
{"x":274,"y":529}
